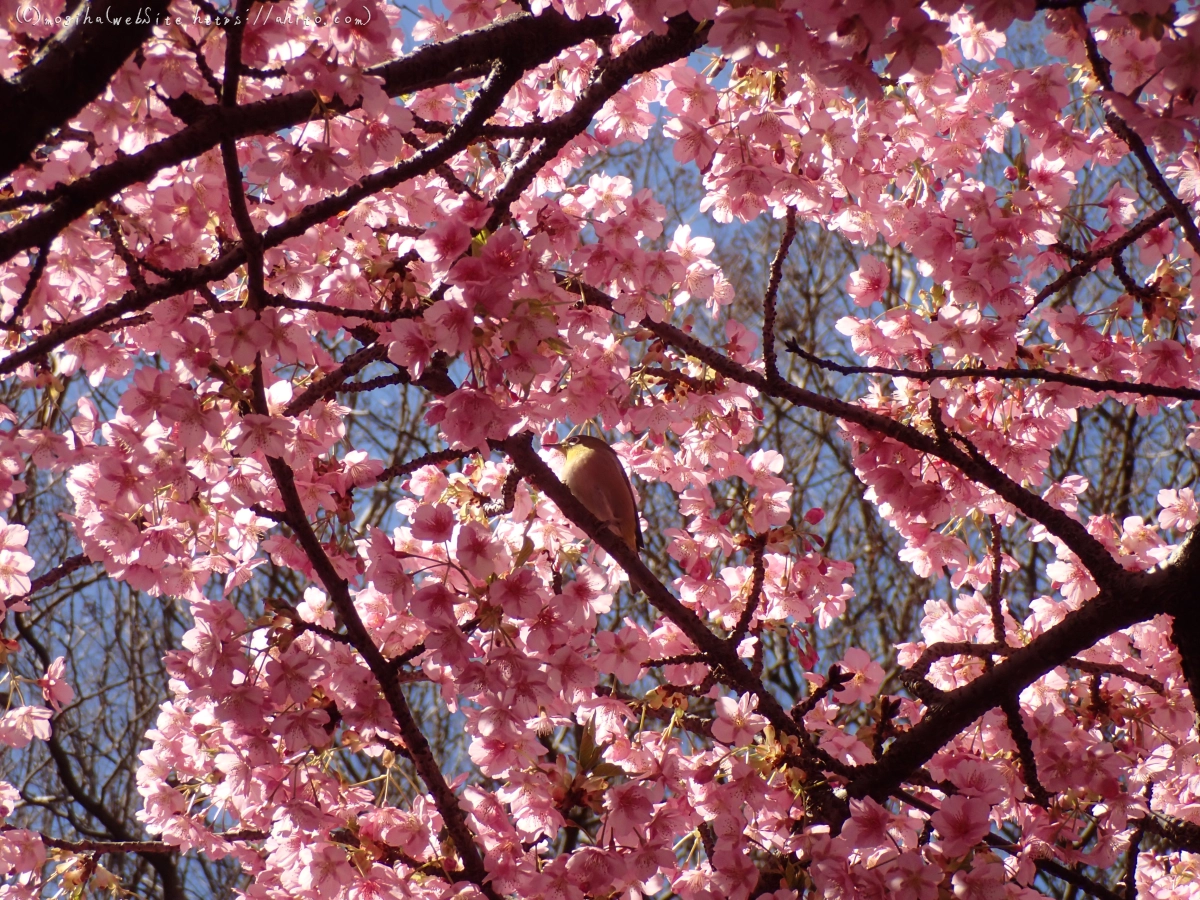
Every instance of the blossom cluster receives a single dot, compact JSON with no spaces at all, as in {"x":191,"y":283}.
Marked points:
{"x":248,"y":216}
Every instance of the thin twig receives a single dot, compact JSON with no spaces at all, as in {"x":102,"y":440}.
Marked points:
{"x":133,"y":265}
{"x":436,"y":457}
{"x":756,"y":588}
{"x":332,"y":383}
{"x":1095,"y":668}
{"x":683,"y":659}
{"x":1091,"y":384}
{"x":367,"y":315}
{"x":59,"y":572}
{"x":508,"y":496}
{"x":834,"y":681}
{"x":1089,"y":260}
{"x":1016,"y":727}
{"x":1129,"y":879}
{"x":31,"y":283}
{"x":789,"y":234}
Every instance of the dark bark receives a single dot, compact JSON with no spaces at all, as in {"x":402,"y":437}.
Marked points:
{"x":70,"y":72}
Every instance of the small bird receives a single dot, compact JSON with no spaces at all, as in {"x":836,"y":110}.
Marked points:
{"x":594,"y":474}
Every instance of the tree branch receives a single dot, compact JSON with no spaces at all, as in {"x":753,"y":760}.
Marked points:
{"x":1090,"y":551}
{"x":1049,"y":375}
{"x":789,"y":235}
{"x":525,"y":41}
{"x":1089,"y":260}
{"x":385,"y":673}
{"x":1137,"y":146}
{"x":71,"y":71}
{"x":683,"y":36}
{"x":1125,"y":598}
{"x":59,"y":572}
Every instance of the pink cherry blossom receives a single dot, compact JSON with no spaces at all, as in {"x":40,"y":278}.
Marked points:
{"x":23,"y":724}
{"x":736,"y":722}
{"x":961,"y":822}
{"x":895,"y":337}
{"x":865,"y":676}
{"x":1179,"y":510}
{"x":55,"y":689}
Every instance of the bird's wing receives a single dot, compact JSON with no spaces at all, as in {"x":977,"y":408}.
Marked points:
{"x":637,"y":518}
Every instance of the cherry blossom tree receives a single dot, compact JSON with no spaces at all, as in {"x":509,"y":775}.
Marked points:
{"x":298,"y":300}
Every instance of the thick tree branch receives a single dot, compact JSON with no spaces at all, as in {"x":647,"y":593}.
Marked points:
{"x":71,"y":71}
{"x":196,"y":278}
{"x":1185,"y":835}
{"x":1125,"y":598}
{"x":525,"y":41}
{"x":1136,"y":598}
{"x":1185,"y":632}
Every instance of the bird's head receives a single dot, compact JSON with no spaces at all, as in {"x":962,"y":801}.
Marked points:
{"x":581,"y":443}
